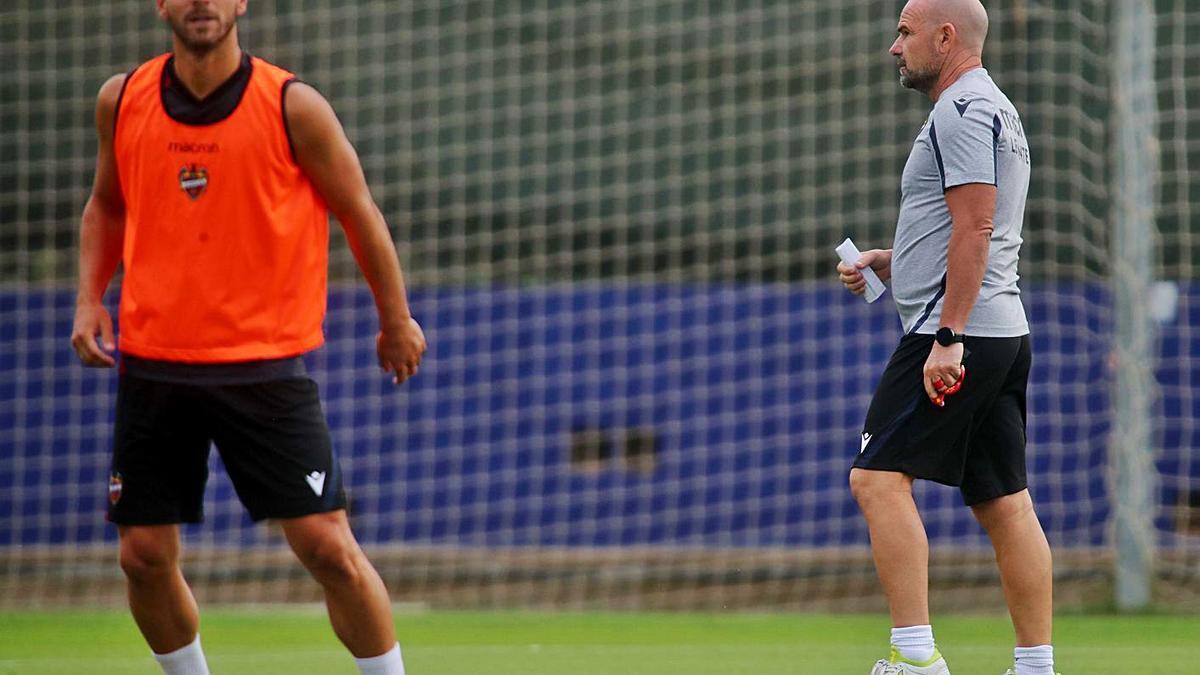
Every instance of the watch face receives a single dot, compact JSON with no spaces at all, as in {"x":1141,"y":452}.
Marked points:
{"x":945,"y":336}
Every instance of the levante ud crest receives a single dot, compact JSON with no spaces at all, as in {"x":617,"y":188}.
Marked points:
{"x":115,"y":486}
{"x":193,"y":179}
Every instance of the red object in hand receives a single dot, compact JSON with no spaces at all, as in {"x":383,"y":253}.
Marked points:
{"x":940,"y":401}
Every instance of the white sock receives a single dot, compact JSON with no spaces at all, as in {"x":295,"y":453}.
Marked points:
{"x":187,"y":660}
{"x":387,"y":663}
{"x":1034,"y":660}
{"x":914,"y":642}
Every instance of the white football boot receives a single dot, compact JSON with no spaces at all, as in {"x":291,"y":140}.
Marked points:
{"x":898,"y":665}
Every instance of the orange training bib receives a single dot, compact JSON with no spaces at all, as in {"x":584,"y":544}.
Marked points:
{"x":226,"y":240}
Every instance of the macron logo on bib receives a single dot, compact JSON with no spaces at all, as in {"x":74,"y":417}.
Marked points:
{"x":866,"y":438}
{"x":316,"y":481}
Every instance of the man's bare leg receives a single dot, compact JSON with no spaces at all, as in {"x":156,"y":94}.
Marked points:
{"x":1026,"y":571}
{"x":355,"y":596}
{"x":159,"y":597}
{"x":898,"y":542}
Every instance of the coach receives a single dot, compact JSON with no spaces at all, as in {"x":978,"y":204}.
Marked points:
{"x":950,"y":406}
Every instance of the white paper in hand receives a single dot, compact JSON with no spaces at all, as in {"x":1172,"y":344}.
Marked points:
{"x":850,"y":254}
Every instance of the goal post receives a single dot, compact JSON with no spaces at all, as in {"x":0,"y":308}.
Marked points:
{"x":1135,"y":170}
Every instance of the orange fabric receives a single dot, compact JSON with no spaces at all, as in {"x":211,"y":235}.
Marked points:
{"x":226,"y":240}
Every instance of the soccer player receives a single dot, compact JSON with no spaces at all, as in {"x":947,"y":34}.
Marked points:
{"x":950,"y":406}
{"x":215,"y":174}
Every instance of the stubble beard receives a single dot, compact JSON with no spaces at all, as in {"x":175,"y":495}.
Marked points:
{"x":201,"y":46}
{"x":922,"y":80}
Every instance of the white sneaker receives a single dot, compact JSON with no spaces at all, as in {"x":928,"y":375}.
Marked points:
{"x":898,"y":665}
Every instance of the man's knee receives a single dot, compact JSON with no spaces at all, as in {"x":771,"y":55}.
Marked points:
{"x":148,"y":553}
{"x":1003,"y":509}
{"x":860,"y":484}
{"x":868,"y":486}
{"x":332,"y":561}
{"x":328,"y":550}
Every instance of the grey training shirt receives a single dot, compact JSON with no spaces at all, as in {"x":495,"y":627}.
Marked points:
{"x":973,"y":135}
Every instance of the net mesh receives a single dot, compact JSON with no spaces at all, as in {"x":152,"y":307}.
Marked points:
{"x":644,"y":388}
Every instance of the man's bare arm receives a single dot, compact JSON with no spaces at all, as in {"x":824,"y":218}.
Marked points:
{"x":972,"y":208}
{"x":327,"y":157}
{"x":101,"y":237}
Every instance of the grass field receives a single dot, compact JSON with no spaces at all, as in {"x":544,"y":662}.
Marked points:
{"x":295,"y":641}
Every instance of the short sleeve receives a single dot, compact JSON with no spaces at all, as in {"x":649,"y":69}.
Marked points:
{"x":964,"y":133}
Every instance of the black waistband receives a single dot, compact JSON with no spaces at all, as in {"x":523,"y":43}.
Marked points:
{"x":244,"y":372}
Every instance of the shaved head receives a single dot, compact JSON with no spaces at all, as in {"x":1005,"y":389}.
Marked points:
{"x":937,"y":39}
{"x":968,"y":17}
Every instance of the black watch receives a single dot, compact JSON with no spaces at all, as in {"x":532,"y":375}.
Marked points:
{"x":946,"y":336}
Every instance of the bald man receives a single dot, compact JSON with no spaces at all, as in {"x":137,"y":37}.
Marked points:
{"x":950,"y":406}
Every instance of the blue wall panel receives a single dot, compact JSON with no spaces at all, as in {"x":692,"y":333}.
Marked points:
{"x":755,"y":395}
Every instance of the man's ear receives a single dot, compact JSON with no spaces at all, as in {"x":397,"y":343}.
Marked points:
{"x":945,"y":37}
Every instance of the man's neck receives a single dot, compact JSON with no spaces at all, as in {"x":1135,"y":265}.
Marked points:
{"x":202,"y":73}
{"x":958,"y":66}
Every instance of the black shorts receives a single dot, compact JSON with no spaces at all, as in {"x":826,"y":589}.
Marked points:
{"x":272,"y":438}
{"x":975,"y":442}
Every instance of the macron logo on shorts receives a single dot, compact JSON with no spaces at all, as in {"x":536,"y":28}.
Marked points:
{"x":866,"y":438}
{"x":316,"y":481}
